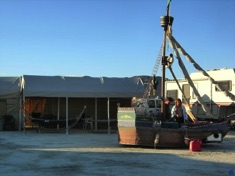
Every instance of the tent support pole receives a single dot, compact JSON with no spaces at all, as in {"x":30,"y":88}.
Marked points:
{"x":58,"y":112}
{"x":108,"y":116}
{"x":23,"y":119}
{"x":96,"y":114}
{"x":67,"y":125}
{"x":20,"y":114}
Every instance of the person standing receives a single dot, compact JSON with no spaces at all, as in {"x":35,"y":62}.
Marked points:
{"x":178,"y":112}
{"x":167,"y":108}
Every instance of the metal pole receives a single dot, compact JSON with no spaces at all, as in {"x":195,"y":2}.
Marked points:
{"x":108,"y":116}
{"x":24,"y":114}
{"x":67,"y":115}
{"x":20,"y":113}
{"x":164,"y":68}
{"x":96,"y":126}
{"x":58,"y":111}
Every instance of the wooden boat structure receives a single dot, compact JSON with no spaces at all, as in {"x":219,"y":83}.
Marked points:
{"x":143,"y":129}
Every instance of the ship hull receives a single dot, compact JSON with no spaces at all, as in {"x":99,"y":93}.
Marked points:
{"x":140,"y":130}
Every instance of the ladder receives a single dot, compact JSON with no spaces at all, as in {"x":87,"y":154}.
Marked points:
{"x":155,"y":69}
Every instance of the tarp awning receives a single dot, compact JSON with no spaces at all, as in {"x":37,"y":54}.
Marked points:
{"x":89,"y":87}
{"x":9,"y":87}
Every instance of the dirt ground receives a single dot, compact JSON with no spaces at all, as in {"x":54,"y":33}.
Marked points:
{"x":81,"y":153}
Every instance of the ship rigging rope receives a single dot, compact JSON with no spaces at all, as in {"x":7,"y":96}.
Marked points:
{"x":177,"y":82}
{"x":175,"y":46}
{"x":190,"y":59}
{"x":154,"y":72}
{"x":189,"y":111}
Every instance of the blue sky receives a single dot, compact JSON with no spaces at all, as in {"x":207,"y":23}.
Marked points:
{"x":112,"y":38}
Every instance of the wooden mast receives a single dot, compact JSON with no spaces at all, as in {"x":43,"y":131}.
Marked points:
{"x":165,"y":21}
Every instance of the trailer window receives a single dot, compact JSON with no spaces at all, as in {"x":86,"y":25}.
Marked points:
{"x":226,"y":85}
{"x":151,"y":104}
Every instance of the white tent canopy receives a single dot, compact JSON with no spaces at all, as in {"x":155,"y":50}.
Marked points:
{"x":82,"y":87}
{"x":61,"y":86}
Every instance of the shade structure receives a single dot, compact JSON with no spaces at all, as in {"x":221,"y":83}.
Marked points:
{"x":82,"y":87}
{"x":10,"y":97}
{"x":89,"y":87}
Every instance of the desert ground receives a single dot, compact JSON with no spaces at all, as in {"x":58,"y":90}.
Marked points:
{"x":81,"y":153}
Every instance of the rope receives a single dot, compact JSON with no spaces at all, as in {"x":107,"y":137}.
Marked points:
{"x":176,"y":47}
{"x":190,"y":59}
{"x":189,"y":111}
{"x":177,"y":82}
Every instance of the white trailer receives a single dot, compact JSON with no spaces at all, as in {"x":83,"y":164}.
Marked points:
{"x":217,"y":102}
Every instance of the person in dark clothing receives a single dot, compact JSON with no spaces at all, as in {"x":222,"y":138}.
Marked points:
{"x":167,"y":108}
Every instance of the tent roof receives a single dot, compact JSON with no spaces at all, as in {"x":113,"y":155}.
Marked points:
{"x":63,"y":86}
{"x":9,"y":87}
